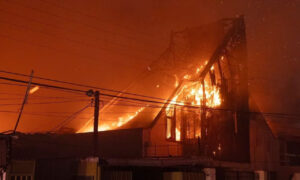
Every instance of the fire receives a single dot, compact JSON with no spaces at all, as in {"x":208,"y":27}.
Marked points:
{"x":187,"y":76}
{"x":113,"y":125}
{"x":177,"y":135}
{"x":195,"y":94}
{"x":176,"y":81}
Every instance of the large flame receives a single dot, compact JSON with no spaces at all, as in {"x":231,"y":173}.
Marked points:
{"x":193,"y":93}
{"x":113,"y":124}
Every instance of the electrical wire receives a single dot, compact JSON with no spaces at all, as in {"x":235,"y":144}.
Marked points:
{"x":60,"y":50}
{"x":52,"y":35}
{"x":70,"y":118}
{"x":83,"y":24}
{"x":82,"y":85}
{"x":94,"y":17}
{"x":146,"y":100}
{"x":114,"y":43}
{"x":40,"y":103}
{"x":36,"y":114}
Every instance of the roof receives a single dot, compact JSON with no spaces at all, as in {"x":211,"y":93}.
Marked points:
{"x":43,"y":146}
{"x":162,"y":75}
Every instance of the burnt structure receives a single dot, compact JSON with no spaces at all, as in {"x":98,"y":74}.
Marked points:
{"x":204,"y":129}
{"x":222,"y":131}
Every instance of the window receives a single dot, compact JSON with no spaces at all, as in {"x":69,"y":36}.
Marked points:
{"x":83,"y":177}
{"x":20,"y":177}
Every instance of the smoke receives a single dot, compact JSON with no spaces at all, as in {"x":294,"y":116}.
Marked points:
{"x":117,"y":40}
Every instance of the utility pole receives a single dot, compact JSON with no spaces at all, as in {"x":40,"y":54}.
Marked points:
{"x":96,"y":120}
{"x":24,"y":102}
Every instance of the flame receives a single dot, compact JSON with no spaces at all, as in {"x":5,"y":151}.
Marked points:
{"x":121,"y":121}
{"x":177,"y":135}
{"x":176,"y":81}
{"x":186,"y":76}
{"x":113,"y":125}
{"x":194,"y":93}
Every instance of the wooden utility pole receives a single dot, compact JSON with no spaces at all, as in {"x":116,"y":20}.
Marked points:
{"x":96,"y":120}
{"x":24,"y":102}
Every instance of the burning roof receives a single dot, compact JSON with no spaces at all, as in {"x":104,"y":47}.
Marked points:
{"x":175,"y":77}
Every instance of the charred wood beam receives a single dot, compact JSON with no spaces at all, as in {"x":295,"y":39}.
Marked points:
{"x":166,"y":104}
{"x":221,"y":48}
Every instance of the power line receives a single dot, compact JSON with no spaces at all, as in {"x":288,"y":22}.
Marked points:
{"x":39,"y":103}
{"x":92,"y":17}
{"x":150,"y":101}
{"x":70,"y":118}
{"x":78,"y":22}
{"x":71,"y":40}
{"x":44,"y":85}
{"x":35,"y":114}
{"x":82,"y":85}
{"x":59,"y":50}
{"x":38,"y":98}
{"x":79,"y":33}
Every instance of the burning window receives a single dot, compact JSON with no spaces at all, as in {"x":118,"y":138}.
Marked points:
{"x":193,"y":96}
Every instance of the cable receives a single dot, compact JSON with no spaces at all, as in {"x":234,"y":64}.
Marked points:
{"x":92,"y":17}
{"x":79,"y":33}
{"x":146,"y":100}
{"x":40,"y":103}
{"x":44,"y":85}
{"x":23,"y":102}
{"x":72,"y":40}
{"x":38,"y":98}
{"x":56,"y":49}
{"x":35,"y":114}
{"x":82,"y":85}
{"x":78,"y":22}
{"x":70,"y":118}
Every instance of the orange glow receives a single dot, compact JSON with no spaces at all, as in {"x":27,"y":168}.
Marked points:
{"x":176,"y":81}
{"x":195,"y":94}
{"x":33,"y":90}
{"x":113,"y":125}
{"x":214,"y":153}
{"x":219,"y":147}
{"x":177,"y":135}
{"x":187,"y":76}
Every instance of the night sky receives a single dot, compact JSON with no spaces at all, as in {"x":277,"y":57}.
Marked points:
{"x":109,"y":43}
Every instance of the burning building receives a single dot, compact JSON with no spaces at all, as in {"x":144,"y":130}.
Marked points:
{"x":205,"y":87}
{"x":204,"y":125}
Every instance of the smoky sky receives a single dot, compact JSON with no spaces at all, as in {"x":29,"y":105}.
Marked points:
{"x":109,"y":42}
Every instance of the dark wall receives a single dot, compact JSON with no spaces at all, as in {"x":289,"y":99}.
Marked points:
{"x":111,"y":144}
{"x":3,"y":151}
